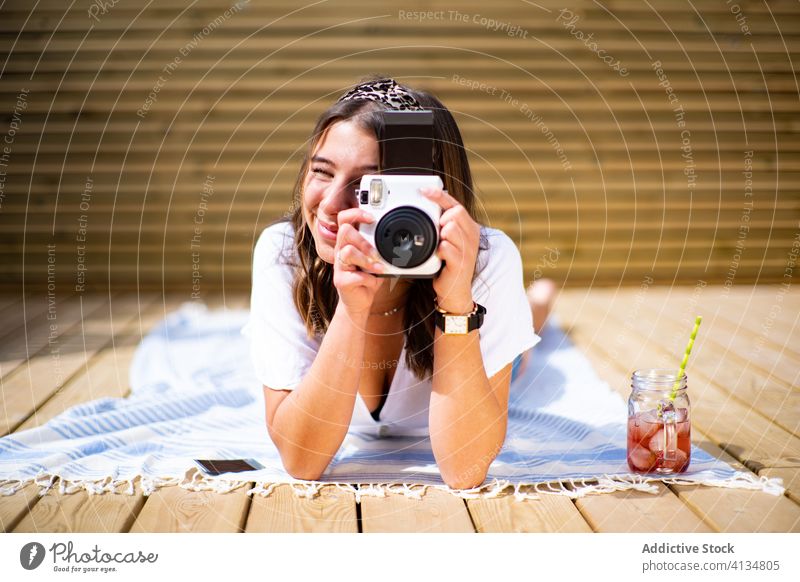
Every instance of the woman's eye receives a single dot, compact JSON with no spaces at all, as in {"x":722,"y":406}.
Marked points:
{"x":321,"y":172}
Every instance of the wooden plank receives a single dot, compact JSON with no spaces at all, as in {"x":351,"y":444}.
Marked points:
{"x":106,"y":372}
{"x":217,"y":81}
{"x":10,"y":302}
{"x":172,"y":509}
{"x":14,"y":507}
{"x":729,"y":509}
{"x":26,"y":389}
{"x":232,"y":104}
{"x":215,"y":46}
{"x":328,"y":16}
{"x":741,"y":431}
{"x":621,"y":185}
{"x":606,"y":135}
{"x":106,"y":375}
{"x":246,"y":205}
{"x":43,"y":331}
{"x":437,"y":511}
{"x":112,"y":79}
{"x":28,"y":316}
{"x":751,"y":384}
{"x":550,"y":513}
{"x":635,"y":511}
{"x":770,"y":313}
{"x":519,"y":143}
{"x":726,"y":337}
{"x":82,"y":513}
{"x":333,"y":510}
{"x":294,"y":64}
{"x":739,"y":510}
{"x":507,"y":219}
{"x":582,"y":161}
{"x":561,"y":210}
{"x":282,"y":6}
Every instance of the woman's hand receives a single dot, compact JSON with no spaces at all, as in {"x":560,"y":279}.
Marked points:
{"x":459,"y":236}
{"x":356,"y":288}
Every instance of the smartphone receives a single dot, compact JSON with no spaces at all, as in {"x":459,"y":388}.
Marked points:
{"x":407,"y":142}
{"x":219,"y":466}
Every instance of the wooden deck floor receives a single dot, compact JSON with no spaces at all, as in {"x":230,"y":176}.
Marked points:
{"x":743,"y":384}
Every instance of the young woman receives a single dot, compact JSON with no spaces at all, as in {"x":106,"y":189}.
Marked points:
{"x":339,"y":348}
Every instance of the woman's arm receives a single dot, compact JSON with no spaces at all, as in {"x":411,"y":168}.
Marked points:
{"x":468,"y":411}
{"x":309,"y":424}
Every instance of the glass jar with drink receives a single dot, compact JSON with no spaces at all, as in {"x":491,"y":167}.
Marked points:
{"x":659,"y":424}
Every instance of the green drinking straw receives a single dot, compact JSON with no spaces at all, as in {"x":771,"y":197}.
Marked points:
{"x":688,"y":351}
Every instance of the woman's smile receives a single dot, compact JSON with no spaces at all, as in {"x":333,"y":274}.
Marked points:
{"x":345,"y":153}
{"x":328,"y":232}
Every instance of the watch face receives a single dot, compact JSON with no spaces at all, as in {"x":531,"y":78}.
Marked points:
{"x":455,"y":324}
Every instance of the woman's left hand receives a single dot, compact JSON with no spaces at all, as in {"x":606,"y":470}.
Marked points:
{"x":459,"y":236}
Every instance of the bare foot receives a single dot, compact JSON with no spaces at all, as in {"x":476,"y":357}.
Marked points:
{"x":541,"y":296}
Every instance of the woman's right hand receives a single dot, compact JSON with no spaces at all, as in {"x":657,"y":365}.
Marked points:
{"x":357,"y":288}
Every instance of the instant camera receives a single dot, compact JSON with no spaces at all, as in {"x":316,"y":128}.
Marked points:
{"x":406,"y":227}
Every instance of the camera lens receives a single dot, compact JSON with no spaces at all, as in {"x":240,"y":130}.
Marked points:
{"x":406,"y":237}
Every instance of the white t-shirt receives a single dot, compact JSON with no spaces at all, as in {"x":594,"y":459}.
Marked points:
{"x":282,"y":353}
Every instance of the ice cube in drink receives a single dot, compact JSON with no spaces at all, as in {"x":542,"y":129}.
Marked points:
{"x":647,"y":442}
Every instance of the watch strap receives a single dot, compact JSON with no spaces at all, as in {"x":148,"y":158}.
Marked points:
{"x":474,"y":319}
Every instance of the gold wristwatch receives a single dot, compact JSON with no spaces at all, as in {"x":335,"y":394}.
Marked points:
{"x":458,"y":324}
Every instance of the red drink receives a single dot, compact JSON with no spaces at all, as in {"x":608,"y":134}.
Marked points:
{"x":649,"y":446}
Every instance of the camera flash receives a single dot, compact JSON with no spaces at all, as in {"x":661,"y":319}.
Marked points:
{"x":375,"y":192}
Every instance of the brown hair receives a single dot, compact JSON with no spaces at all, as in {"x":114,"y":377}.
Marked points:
{"x":315,"y":295}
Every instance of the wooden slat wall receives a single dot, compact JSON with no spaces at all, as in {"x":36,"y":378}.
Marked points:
{"x":241,"y":100}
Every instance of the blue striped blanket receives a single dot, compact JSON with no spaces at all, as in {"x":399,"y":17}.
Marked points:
{"x":194,"y":395}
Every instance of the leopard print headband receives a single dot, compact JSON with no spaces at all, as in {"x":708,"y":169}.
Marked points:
{"x":385,"y":91}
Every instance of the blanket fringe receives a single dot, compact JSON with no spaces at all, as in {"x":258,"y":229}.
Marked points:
{"x":194,"y":480}
{"x":772,"y":485}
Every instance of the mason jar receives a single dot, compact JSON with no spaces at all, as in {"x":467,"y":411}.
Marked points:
{"x":659,"y":422}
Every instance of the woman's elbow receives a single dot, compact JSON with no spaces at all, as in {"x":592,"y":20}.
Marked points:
{"x":296,"y":460}
{"x":303,"y":472}
{"x":466,"y":479}
{"x":302,"y":466}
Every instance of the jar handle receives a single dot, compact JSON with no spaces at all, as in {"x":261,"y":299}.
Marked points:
{"x":669,"y":418}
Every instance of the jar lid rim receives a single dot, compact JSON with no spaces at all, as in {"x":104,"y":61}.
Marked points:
{"x":658,"y":374}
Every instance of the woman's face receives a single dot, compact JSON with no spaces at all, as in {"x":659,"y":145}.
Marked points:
{"x":344,"y":154}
